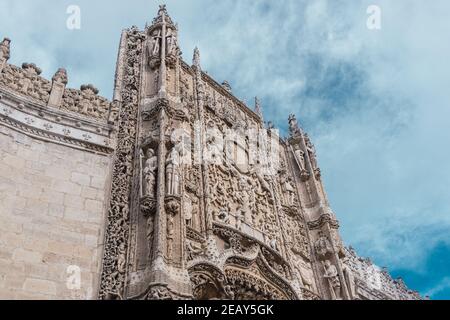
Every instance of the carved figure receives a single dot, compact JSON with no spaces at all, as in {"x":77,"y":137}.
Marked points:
{"x":121,"y":261}
{"x":322,"y":246}
{"x":301,"y":158}
{"x":173,"y":172}
{"x":154,"y":45}
{"x":172,"y":44}
{"x":151,"y":164}
{"x":332,"y":276}
{"x":311,"y":152}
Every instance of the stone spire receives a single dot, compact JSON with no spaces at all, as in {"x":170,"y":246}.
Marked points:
{"x":294,"y":129}
{"x":258,"y":109}
{"x":163,"y":50}
{"x":196,"y":59}
{"x":4,"y":49}
{"x":4,"y":52}
{"x":162,"y":15}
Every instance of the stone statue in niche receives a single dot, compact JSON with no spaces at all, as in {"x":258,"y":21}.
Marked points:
{"x":154,"y":45}
{"x":191,"y":211}
{"x":188,"y":207}
{"x":149,"y":171}
{"x":332,"y":276}
{"x":289,"y":191}
{"x":172,"y":44}
{"x":348,"y":276}
{"x":301,"y":159}
{"x":244,"y":200}
{"x":305,"y":280}
{"x":322,"y":246}
{"x":173,"y":163}
{"x":121,"y":262}
{"x":311,"y":152}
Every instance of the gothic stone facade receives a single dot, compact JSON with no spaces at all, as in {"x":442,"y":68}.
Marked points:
{"x":112,"y":188}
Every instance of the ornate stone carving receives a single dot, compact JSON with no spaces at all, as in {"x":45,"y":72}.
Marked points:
{"x":153,"y":49}
{"x":159,"y":293}
{"x":172,"y":46}
{"x":294,"y":129}
{"x":4,"y":53}
{"x":323,"y":247}
{"x":5,"y":49}
{"x":194,"y":249}
{"x":113,"y":277}
{"x":86,"y":102}
{"x":312,"y":155}
{"x":322,"y":220}
{"x":149,"y":173}
{"x":173,"y":171}
{"x":26,"y":81}
{"x":332,"y":277}
{"x":60,"y":76}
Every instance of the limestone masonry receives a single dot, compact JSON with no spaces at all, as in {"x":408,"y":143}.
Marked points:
{"x":173,"y":190}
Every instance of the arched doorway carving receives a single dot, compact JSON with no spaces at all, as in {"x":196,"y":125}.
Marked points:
{"x":240,"y":280}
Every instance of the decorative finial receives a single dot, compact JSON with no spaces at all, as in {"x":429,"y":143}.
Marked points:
{"x":162,"y":12}
{"x":60,"y":76}
{"x":294,"y":129}
{"x":258,"y":109}
{"x":4,"y":49}
{"x":31,"y":68}
{"x":196,"y":58}
{"x":89,"y":88}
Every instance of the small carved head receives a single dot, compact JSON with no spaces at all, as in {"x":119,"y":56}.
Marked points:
{"x":150,"y":153}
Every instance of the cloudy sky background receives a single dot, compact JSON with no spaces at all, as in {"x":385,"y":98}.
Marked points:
{"x":376,"y":103}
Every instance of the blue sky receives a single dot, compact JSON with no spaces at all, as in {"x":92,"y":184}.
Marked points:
{"x":376,"y":103}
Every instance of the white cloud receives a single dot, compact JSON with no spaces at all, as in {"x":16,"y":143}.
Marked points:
{"x":441,"y":286}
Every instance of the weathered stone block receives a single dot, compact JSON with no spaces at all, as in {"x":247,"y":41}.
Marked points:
{"x":40,"y":286}
{"x":24,"y":255}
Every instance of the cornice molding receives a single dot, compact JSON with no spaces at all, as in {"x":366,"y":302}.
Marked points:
{"x":53,"y":125}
